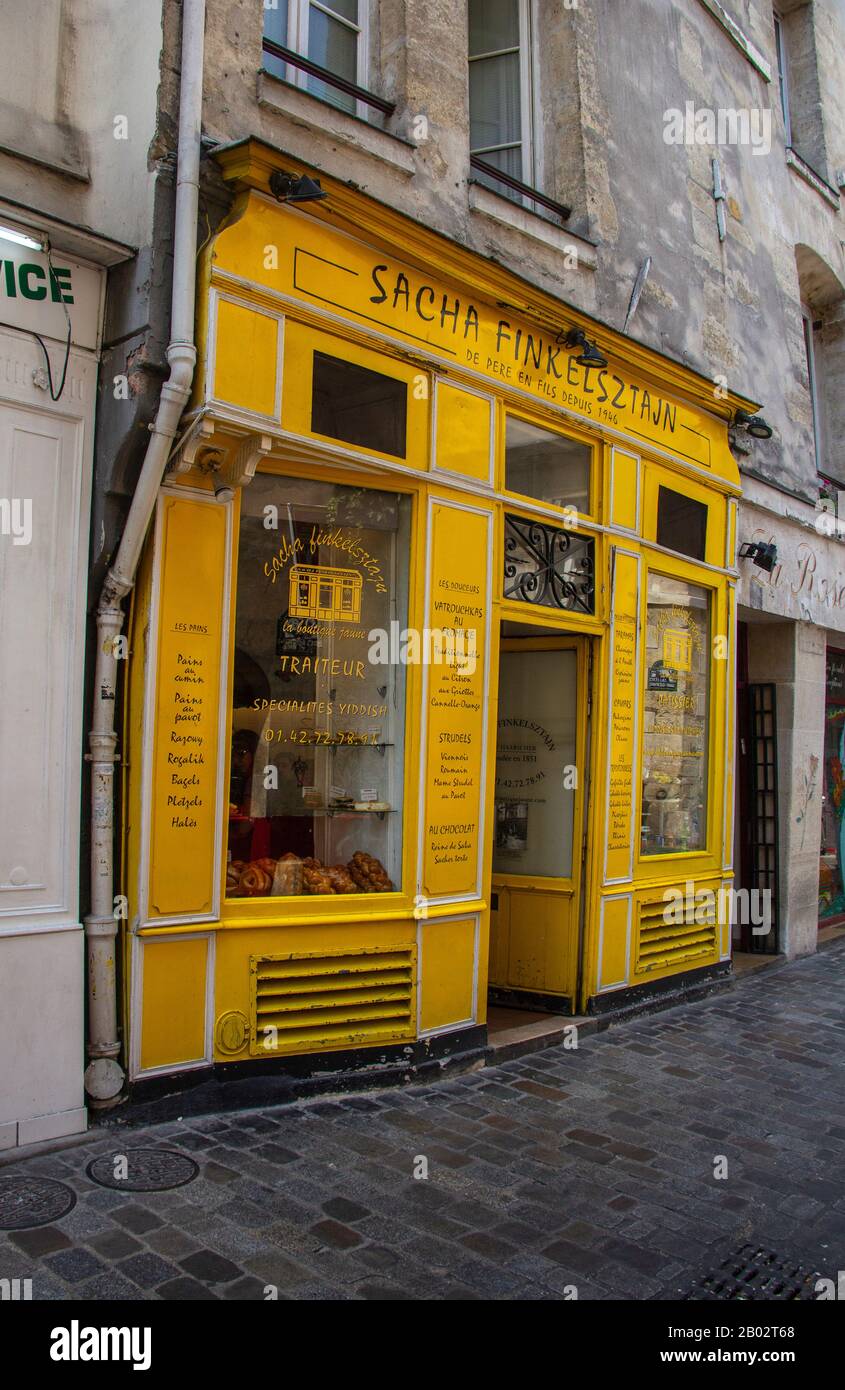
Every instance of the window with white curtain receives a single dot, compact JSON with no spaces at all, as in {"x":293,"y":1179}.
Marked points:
{"x":333,"y":34}
{"x":500,"y":96}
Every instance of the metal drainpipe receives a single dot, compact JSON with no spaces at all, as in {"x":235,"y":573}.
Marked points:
{"x":104,"y":1077}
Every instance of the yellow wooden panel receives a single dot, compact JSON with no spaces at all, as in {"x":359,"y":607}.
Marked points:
{"x":302,"y":343}
{"x":173,"y":1010}
{"x":446,"y":972}
{"x":540,"y":942}
{"x":247,"y":358}
{"x":614,"y":946}
{"x":456,"y":701}
{"x":498,"y":962}
{"x":184,"y":792}
{"x":464,"y":423}
{"x":625,"y":472}
{"x":622,"y":731}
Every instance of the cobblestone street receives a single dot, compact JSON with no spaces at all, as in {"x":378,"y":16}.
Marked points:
{"x":591,"y":1168}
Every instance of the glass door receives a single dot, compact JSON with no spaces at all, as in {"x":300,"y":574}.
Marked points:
{"x":538,"y":819}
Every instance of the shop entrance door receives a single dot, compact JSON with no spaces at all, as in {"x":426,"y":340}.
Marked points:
{"x":541,"y":759}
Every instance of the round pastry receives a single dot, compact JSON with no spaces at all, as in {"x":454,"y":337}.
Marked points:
{"x":255,"y":880}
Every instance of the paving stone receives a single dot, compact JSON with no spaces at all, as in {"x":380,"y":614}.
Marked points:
{"x":148,"y":1270}
{"x":184,"y":1290}
{"x":136,"y":1218}
{"x":345,"y":1210}
{"x":334,"y":1233}
{"x":210,"y":1267}
{"x":75,"y":1265}
{"x":40,"y":1241}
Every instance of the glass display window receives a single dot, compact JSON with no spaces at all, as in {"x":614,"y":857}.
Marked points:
{"x":676,"y":717}
{"x":832,"y":851}
{"x":318,"y":713}
{"x":547,"y":466}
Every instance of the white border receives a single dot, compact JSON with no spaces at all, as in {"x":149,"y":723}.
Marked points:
{"x":436,"y":922}
{"x":215,"y":296}
{"x":148,"y":735}
{"x":432,"y":502}
{"x":439,"y":472}
{"x":601,"y":987}
{"x":626,"y":453}
{"x":634,"y":555}
{"x":137,"y":996}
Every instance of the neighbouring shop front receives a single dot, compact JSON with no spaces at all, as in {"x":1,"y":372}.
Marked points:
{"x":433,"y":658}
{"x":791,"y":722}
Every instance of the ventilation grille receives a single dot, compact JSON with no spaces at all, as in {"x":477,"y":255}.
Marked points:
{"x":306,"y":1002}
{"x":664,"y":941}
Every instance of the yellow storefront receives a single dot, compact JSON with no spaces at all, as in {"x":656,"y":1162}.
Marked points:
{"x":432,"y":657}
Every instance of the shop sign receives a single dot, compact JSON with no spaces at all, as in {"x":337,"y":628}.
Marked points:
{"x":39,"y":298}
{"x":333,"y":271}
{"x":808,"y":580}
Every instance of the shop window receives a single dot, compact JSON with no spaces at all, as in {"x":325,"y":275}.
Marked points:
{"x":359,"y":406}
{"x":500,"y":91}
{"x":332,"y":33}
{"x":547,"y":466}
{"x":681,"y":523}
{"x":318,"y":715}
{"x":832,"y":855}
{"x":676,"y":718}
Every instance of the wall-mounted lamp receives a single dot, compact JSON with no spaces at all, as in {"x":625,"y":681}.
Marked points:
{"x":589,"y":355}
{"x":763,"y":553}
{"x":295,"y":188}
{"x":755,"y":425}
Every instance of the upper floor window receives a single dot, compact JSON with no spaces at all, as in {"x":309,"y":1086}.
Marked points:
{"x":801,"y":95}
{"x":333,"y":35}
{"x":813,"y":382}
{"x":500,"y":89}
{"x":783,"y":87}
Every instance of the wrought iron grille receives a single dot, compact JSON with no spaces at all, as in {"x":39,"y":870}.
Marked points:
{"x":548,"y":565}
{"x":762,"y":828}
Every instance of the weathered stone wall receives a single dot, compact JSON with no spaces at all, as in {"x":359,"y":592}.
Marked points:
{"x":603,"y":87}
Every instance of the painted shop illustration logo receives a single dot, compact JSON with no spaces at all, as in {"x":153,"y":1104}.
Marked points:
{"x":325,"y":593}
{"x":323,"y":538}
{"x":723,"y":126}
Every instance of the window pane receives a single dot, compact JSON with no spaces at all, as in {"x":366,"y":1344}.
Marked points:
{"x":493,"y":24}
{"x":359,"y":406}
{"x":276,"y":28}
{"x":547,"y":466}
{"x":832,"y":850}
{"x":676,"y":727}
{"x":494,"y":105}
{"x":317,"y":726}
{"x":334,"y":46}
{"x":347,"y":8}
{"x":536,"y":744}
{"x":681,"y":523}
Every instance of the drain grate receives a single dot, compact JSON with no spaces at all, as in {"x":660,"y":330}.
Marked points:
{"x":757,"y":1275}
{"x":142,"y":1170}
{"x":26,"y":1202}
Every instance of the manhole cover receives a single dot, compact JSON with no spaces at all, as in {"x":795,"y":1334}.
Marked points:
{"x":26,"y":1202}
{"x":756,"y":1275}
{"x":142,"y":1170}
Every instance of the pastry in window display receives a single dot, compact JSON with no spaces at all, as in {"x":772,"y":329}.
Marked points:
{"x":292,"y":876}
